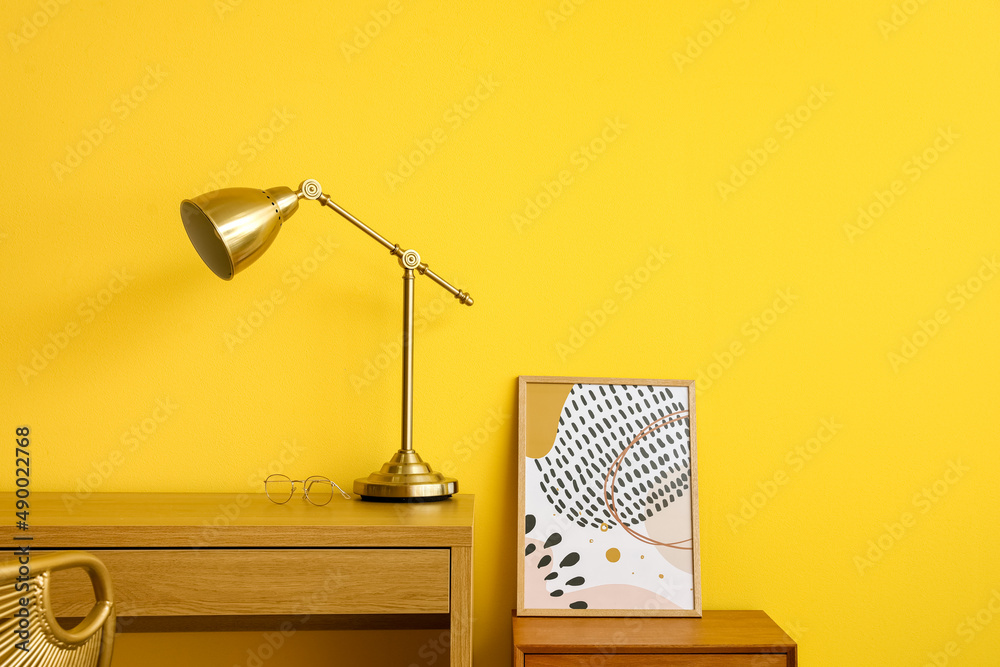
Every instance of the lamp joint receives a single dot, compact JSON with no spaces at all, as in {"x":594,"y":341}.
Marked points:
{"x":310,"y":189}
{"x":410,"y":259}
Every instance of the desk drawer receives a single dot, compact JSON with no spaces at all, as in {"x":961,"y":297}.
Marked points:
{"x":675,"y":660}
{"x":238,"y":582}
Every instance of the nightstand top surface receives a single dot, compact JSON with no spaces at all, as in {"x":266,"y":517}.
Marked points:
{"x":721,"y":631}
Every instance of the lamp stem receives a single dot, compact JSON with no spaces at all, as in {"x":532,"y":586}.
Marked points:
{"x":407,"y":444}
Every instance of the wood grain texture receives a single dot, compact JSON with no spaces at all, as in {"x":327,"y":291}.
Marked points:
{"x":233,"y":582}
{"x":522,"y":431}
{"x":202,"y":561}
{"x":461,"y":606}
{"x":128,"y":520}
{"x":522,"y":382}
{"x":689,"y":660}
{"x":717,"y":632}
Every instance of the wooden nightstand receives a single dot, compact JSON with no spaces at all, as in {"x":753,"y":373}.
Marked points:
{"x":719,"y":639}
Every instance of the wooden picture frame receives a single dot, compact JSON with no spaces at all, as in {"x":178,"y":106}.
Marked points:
{"x":607,"y":480}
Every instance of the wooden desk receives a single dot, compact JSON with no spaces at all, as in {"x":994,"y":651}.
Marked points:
{"x":719,"y":639}
{"x":239,"y":562}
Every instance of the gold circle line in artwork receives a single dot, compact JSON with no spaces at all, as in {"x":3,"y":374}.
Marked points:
{"x":609,"y":479}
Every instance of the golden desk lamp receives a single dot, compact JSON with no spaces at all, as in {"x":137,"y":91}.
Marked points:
{"x":231,"y":228}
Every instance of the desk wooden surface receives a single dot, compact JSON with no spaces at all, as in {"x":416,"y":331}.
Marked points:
{"x":206,"y":561}
{"x":126,"y":520}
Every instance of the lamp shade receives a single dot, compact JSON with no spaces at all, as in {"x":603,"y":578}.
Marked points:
{"x":232,"y":227}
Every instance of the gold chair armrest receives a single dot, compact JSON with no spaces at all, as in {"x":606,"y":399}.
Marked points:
{"x":103,"y":608}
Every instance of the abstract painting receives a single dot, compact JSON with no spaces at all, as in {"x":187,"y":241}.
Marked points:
{"x":608,"y":502}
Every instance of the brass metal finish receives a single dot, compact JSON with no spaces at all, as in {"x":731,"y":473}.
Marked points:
{"x":89,"y":644}
{"x":406,"y":477}
{"x":326,"y":201}
{"x":231,"y":228}
{"x":394,"y":249}
{"x":407,"y":424}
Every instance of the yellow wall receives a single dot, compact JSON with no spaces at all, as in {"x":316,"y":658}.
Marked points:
{"x":825,"y":408}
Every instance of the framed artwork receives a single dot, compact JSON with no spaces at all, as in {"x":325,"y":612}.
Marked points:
{"x":607,"y":498}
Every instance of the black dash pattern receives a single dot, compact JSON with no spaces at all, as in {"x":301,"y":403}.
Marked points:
{"x":596,"y":424}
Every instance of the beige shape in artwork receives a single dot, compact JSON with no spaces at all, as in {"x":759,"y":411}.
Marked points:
{"x":624,"y":596}
{"x":670,"y":525}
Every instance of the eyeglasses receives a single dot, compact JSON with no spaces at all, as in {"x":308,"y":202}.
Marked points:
{"x":317,"y":490}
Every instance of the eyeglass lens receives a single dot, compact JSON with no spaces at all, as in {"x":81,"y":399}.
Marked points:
{"x":279,"y":488}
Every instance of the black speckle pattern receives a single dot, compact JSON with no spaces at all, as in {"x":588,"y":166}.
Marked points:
{"x":597,"y":423}
{"x":571,"y":558}
{"x":568,"y":561}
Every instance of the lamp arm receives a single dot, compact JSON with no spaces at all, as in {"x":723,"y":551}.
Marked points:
{"x":408,"y":259}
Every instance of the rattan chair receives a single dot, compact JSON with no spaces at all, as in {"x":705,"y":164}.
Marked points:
{"x":89,"y":644}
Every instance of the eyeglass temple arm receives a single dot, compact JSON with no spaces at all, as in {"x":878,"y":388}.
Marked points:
{"x":409,"y":259}
{"x":312,"y":481}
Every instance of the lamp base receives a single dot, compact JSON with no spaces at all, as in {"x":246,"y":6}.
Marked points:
{"x":406,"y":478}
